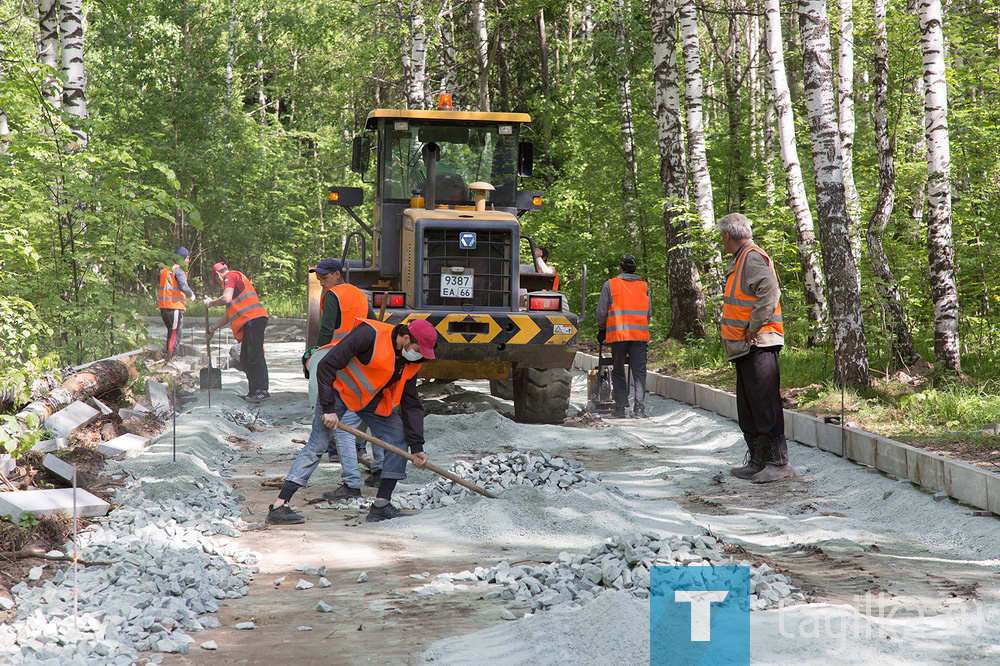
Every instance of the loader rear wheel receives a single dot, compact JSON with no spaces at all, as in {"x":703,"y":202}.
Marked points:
{"x":502,"y":388}
{"x":541,"y":395}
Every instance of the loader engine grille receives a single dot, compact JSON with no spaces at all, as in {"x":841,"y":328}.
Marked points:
{"x":490,"y":262}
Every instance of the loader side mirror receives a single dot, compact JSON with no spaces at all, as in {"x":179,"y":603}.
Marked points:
{"x":525,"y":158}
{"x":361,"y":149}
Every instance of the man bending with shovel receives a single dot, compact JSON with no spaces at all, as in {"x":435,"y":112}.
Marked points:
{"x":372,"y":372}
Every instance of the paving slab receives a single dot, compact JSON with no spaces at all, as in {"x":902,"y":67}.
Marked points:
{"x":926,"y":469}
{"x":993,"y":493}
{"x":806,"y":428}
{"x":49,"y":502}
{"x":727,"y":402}
{"x":127,"y":446}
{"x":104,"y":409}
{"x":830,"y":438}
{"x":59,"y":467}
{"x":69,"y":418}
{"x":681,"y":390}
{"x":859,"y":446}
{"x":890,"y":457}
{"x":49,"y":445}
{"x":157,"y":394}
{"x":967,"y":484}
{"x":7,"y":464}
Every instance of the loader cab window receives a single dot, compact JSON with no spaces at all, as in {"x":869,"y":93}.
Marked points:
{"x":469,"y":153}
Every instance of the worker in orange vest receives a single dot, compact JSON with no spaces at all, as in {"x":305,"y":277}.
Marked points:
{"x":624,"y":309}
{"x":248,"y":319}
{"x":373,"y":373}
{"x":752,"y":334}
{"x":542,"y":265}
{"x":170,"y":296}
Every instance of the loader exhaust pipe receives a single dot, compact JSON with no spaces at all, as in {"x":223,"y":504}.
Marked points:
{"x":431,"y":155}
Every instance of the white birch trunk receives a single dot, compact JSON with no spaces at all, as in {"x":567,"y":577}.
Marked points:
{"x":449,"y":60}
{"x":482,"y":55}
{"x":901,"y":349}
{"x":48,"y":51}
{"x":687,"y":301}
{"x":850,"y":347}
{"x":940,"y":254}
{"x":71,"y":33}
{"x":416,"y":83}
{"x":812,"y":277}
{"x":587,"y":23}
{"x":845,"y":109}
{"x":4,"y":132}
{"x":230,"y":56}
{"x":630,"y":177}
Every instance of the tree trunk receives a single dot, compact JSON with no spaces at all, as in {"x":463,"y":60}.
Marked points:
{"x":850,"y":348}
{"x":75,"y":88}
{"x":701,"y":179}
{"x":687,"y":302}
{"x":734,"y":107}
{"x":48,"y":51}
{"x":845,"y":109}
{"x":901,"y":349}
{"x":449,"y":61}
{"x":812,"y":277}
{"x":630,"y":177}
{"x":940,"y":254}
{"x":483,"y":55}
{"x":416,"y":81}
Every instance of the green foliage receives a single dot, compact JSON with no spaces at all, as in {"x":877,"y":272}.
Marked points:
{"x":16,"y":440}
{"x":953,"y":407}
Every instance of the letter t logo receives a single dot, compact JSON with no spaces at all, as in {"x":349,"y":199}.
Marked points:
{"x":701,"y":610}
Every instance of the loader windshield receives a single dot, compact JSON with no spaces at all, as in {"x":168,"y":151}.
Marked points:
{"x":470,"y":152}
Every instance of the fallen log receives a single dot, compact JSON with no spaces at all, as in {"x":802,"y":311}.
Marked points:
{"x":96,"y":379}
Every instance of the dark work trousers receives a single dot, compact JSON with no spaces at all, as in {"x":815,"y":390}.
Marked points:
{"x":758,"y":398}
{"x":174,"y":321}
{"x":632,"y":352}
{"x":252,"y":355}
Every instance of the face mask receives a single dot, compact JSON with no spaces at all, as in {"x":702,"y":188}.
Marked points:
{"x":411,"y":355}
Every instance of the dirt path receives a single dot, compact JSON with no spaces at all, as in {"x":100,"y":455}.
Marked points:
{"x":845,"y":535}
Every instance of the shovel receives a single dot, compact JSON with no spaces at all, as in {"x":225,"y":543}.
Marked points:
{"x":209,"y":378}
{"x":409,"y":456}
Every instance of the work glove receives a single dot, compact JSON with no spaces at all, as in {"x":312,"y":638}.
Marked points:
{"x":602,"y":335}
{"x":208,"y":301}
{"x":305,"y":361}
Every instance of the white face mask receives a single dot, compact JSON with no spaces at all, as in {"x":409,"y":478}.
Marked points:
{"x":411,"y":355}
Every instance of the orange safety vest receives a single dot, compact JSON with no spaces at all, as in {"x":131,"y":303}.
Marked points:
{"x":353,"y":305}
{"x":555,"y":282}
{"x":737,"y":306}
{"x":628,"y":313}
{"x":359,"y":383}
{"x":169,"y":296}
{"x":244,"y":307}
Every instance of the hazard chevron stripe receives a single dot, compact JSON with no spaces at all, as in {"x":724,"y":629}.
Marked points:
{"x":526,"y":329}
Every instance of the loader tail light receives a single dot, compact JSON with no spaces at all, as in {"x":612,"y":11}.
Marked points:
{"x":394,"y":300}
{"x":545,"y":303}
{"x":536,"y":201}
{"x":335,"y":196}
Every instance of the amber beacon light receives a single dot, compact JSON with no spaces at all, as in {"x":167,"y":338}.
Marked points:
{"x":444,"y":102}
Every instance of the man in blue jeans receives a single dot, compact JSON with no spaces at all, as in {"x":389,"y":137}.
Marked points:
{"x":371,"y":375}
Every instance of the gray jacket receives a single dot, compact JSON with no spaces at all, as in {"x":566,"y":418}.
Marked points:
{"x":604,"y":301}
{"x":757,"y":280}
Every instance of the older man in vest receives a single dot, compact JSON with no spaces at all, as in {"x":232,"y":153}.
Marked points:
{"x":170,"y":296}
{"x":248,"y":320}
{"x":752,"y":335}
{"x":623,"y":313}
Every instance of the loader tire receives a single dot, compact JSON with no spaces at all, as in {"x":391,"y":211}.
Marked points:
{"x":541,"y":395}
{"x":502,"y":388}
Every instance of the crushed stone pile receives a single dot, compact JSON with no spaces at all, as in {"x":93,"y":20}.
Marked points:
{"x":498,"y":472}
{"x":622,"y":563}
{"x":167,"y":571}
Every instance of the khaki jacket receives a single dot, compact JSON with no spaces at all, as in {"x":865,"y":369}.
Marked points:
{"x":759,"y":281}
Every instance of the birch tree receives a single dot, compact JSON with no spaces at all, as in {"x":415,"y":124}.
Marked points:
{"x":940,"y":254}
{"x":687,"y":302}
{"x":901,"y":350}
{"x":812,"y":278}
{"x":482,"y":55}
{"x":630,"y":177}
{"x":415,"y":57}
{"x":701,"y":179}
{"x":850,"y":348}
{"x":449,"y":60}
{"x":845,"y":110}
{"x":48,"y":51}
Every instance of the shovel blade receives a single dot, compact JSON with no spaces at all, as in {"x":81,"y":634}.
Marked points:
{"x":210,"y":378}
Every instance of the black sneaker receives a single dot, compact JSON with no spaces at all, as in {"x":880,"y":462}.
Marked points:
{"x":343,"y":492}
{"x":619,"y":413}
{"x":258,"y":397}
{"x":639,"y":412}
{"x":373,"y":479}
{"x":387,"y":512}
{"x":333,"y":455}
{"x":283,"y":515}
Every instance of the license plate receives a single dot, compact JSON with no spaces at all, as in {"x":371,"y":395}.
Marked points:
{"x":456,"y":285}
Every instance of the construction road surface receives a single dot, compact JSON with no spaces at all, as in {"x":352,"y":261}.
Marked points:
{"x":888,"y":575}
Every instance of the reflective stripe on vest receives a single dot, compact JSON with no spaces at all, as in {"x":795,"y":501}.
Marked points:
{"x":169,"y":296}
{"x":353,"y":306}
{"x":737,"y":306}
{"x":628,"y":312}
{"x":244,"y":307}
{"x":359,"y":383}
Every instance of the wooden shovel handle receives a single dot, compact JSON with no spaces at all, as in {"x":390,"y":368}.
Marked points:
{"x":409,"y":456}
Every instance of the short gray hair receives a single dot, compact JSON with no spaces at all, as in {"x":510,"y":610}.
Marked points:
{"x":737,"y":225}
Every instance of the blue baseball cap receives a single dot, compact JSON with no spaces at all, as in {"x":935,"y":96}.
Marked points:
{"x":327,"y":266}
{"x":183,"y":252}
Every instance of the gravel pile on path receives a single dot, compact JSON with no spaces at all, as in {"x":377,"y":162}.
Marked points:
{"x":167,"y":572}
{"x":498,"y":472}
{"x":622,"y":564}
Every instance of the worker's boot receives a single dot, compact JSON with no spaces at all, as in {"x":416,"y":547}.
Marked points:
{"x":777,"y":466}
{"x":754,"y":461}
